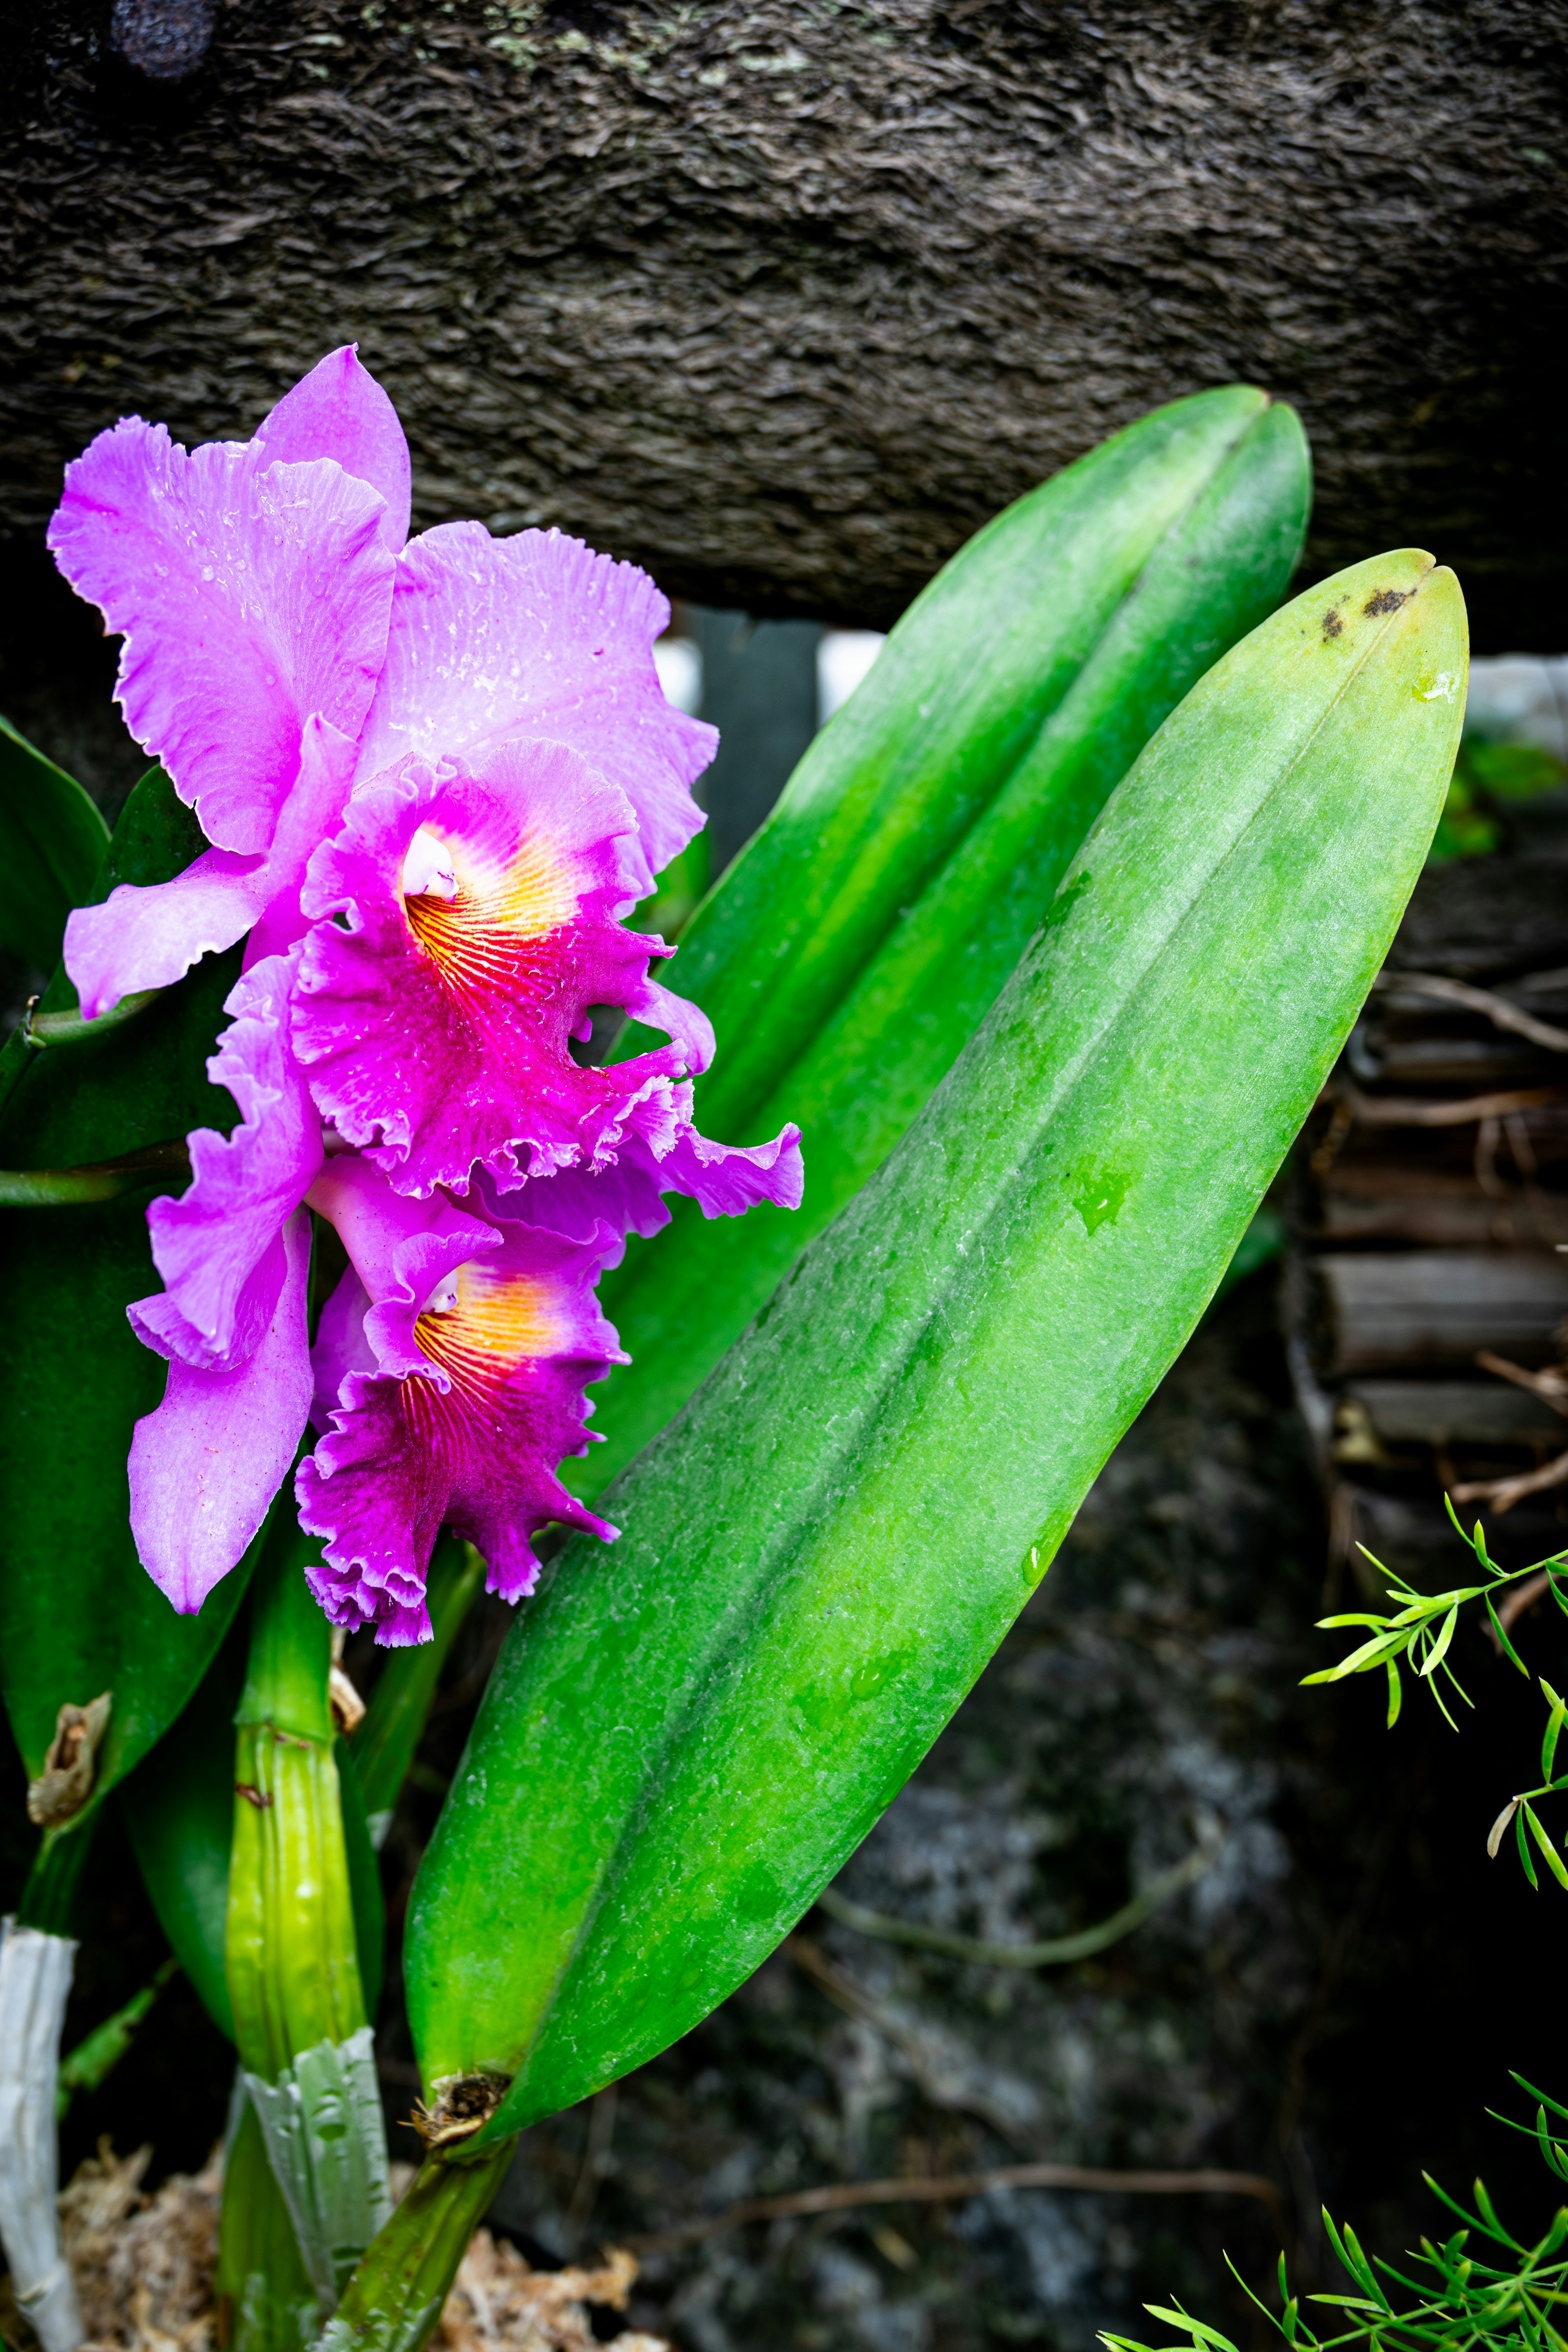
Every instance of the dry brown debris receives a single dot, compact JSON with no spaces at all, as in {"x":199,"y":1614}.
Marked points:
{"x":144,"y":2271}
{"x":144,"y":2264}
{"x":496,"y":2299}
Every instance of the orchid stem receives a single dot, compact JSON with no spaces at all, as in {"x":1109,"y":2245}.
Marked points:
{"x":394,"y":2298}
{"x":86,"y":2066}
{"x":51,"y":1896}
{"x":385,"y":1743}
{"x":290,"y":1955}
{"x":266,"y":2302}
{"x":40,"y":1030}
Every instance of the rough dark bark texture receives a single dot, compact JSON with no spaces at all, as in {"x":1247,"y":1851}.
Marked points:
{"x":785,"y":297}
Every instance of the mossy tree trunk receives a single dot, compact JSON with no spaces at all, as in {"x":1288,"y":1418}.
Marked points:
{"x":785,"y":296}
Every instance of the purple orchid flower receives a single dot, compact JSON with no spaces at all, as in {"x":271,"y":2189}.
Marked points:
{"x":477,"y":923}
{"x":490,"y":1398}
{"x":264,"y":585}
{"x":436,"y":777}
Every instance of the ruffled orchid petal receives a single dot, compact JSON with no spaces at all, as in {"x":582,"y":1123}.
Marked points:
{"x":405,"y":1253}
{"x":205,"y":1465}
{"x":725,"y":1180}
{"x":340,"y":410}
{"x":148,"y":935}
{"x":250,"y":593}
{"x":435,"y":1031}
{"x":311,"y":815}
{"x":472,"y":1443}
{"x":219,"y":1245}
{"x":537,"y":635}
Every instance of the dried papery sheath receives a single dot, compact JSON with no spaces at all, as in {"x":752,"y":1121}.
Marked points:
{"x":323,"y":2123}
{"x":65,"y":1784}
{"x":35,"y":1978}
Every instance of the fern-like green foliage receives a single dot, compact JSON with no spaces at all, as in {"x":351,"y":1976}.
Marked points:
{"x":1453,"y":2298}
{"x":1419,"y":1631}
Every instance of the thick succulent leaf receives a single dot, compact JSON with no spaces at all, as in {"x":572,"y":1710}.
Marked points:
{"x":957,"y":698}
{"x":851,"y":952}
{"x":78,"y":1615}
{"x":52,"y":841}
{"x":688,"y":1731}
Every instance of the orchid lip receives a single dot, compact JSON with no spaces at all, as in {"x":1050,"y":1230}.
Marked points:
{"x":427,"y":868}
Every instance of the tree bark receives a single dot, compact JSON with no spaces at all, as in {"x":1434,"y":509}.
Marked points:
{"x":785,"y":297}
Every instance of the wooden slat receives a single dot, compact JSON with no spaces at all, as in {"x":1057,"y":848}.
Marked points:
{"x":1432,"y":1309}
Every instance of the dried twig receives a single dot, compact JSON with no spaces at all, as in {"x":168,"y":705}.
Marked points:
{"x":843,"y":2195}
{"x":1551,"y":1385}
{"x":1524,"y":1596}
{"x":1410,"y":1110}
{"x":1053,"y":1949}
{"x":1497,"y":1009}
{"x":1502,"y":1494}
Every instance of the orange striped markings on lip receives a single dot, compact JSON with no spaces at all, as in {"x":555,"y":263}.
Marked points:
{"x":498,"y":1323}
{"x":475,"y":912}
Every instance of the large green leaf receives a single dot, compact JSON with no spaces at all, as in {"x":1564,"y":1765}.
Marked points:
{"x":78,"y":1615}
{"x":851,"y":953}
{"x":52,"y":841}
{"x":688,"y":1731}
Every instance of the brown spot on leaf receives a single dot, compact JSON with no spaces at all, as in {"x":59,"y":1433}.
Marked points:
{"x":1383,"y":600}
{"x":1333,"y":625}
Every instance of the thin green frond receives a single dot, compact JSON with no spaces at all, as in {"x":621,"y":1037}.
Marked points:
{"x":1553,"y":1726}
{"x":1550,"y":1855}
{"x":1501,"y":1630}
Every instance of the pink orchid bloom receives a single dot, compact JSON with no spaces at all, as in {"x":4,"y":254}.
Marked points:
{"x":489,"y":1399}
{"x":267,"y":585}
{"x":436,"y":776}
{"x":434,"y":1023}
